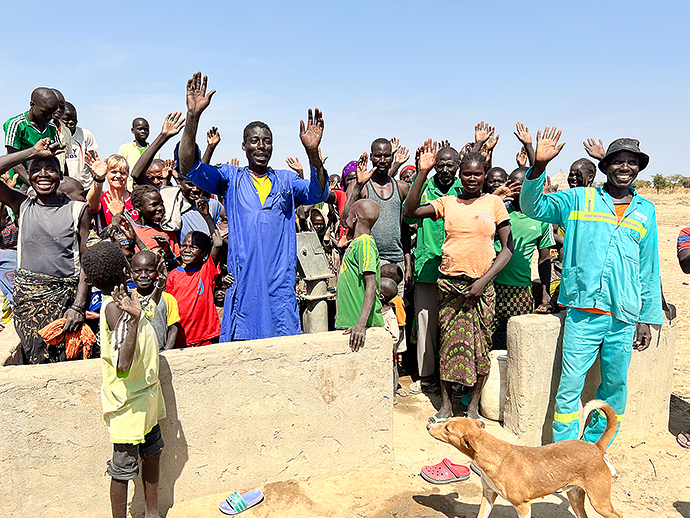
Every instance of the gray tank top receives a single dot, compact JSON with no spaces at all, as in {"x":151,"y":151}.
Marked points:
{"x":386,"y":230}
{"x":48,"y":238}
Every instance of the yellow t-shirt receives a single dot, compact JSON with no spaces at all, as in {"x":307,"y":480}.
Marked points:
{"x":172,"y":309}
{"x":263,"y":186}
{"x":133,"y":401}
{"x":470,"y":226}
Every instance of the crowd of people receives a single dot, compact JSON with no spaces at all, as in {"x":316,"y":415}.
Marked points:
{"x":131,"y":254}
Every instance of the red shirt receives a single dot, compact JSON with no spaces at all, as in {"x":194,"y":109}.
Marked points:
{"x":105,"y":199}
{"x":193,"y":289}
{"x":146,"y":235}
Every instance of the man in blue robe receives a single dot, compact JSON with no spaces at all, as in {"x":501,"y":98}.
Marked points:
{"x":260,"y":206}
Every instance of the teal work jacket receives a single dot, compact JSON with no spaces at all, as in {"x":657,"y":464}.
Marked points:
{"x":607,"y":265}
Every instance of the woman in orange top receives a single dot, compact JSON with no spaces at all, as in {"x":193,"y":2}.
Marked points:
{"x":468,"y":265}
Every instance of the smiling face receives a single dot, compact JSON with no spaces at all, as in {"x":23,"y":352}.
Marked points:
{"x":44,"y":175}
{"x":472,"y":177}
{"x":144,"y":270}
{"x":140,"y":130}
{"x":152,"y":209}
{"x":70,"y":119}
{"x":623,"y":169}
{"x":189,"y":190}
{"x":382,"y":157}
{"x":494,"y":180}
{"x":117,"y":178}
{"x":190,"y":253}
{"x":259,"y":148}
{"x":155,"y":173}
{"x":578,"y":176}
{"x":446,"y":167}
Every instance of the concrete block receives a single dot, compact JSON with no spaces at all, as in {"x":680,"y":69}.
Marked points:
{"x":534,"y":370}
{"x":240,"y":414}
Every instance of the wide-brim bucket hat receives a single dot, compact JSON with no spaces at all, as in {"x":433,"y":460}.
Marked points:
{"x":623,"y":144}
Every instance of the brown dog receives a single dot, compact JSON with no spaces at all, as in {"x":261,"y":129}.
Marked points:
{"x":522,"y":473}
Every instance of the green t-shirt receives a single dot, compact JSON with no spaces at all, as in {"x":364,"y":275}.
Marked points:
{"x":361,"y":256}
{"x":528,"y":234}
{"x":431,"y":234}
{"x":21,"y":133}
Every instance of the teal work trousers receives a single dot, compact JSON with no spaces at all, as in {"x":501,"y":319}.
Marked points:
{"x":585,"y":336}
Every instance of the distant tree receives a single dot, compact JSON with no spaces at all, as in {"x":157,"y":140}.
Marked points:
{"x":686,"y":182}
{"x":676,"y":180}
{"x":643,"y":184}
{"x":660,"y":182}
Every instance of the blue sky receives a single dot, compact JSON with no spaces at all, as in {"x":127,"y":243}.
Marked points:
{"x":408,"y":69}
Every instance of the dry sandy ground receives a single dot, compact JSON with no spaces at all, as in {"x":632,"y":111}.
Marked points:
{"x":653,"y":477}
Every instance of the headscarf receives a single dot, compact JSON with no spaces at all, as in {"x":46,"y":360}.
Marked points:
{"x":351,"y":167}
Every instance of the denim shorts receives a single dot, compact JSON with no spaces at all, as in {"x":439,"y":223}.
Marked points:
{"x":125,"y":462}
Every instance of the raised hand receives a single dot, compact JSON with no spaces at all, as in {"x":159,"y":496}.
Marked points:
{"x":128,"y":229}
{"x":427,"y":156}
{"x":363,"y":176}
{"x":197,"y":99}
{"x":593,"y":149}
{"x":508,"y":191}
{"x":491,"y":143}
{"x":98,"y":168}
{"x":203,"y":207}
{"x":548,"y":146}
{"x":482,"y":132}
{"x":311,"y":135}
{"x":168,"y":167}
{"x":443,"y":143}
{"x":402,"y":156}
{"x":522,"y":134}
{"x":162,"y":270}
{"x":395,"y":144}
{"x":162,"y":243}
{"x":124,"y":302}
{"x":323,"y":158}
{"x":217,"y":238}
{"x":521,"y":157}
{"x":48,"y":148}
{"x":467,"y":148}
{"x":172,"y":124}
{"x":294,"y":164}
{"x":235,"y":162}
{"x":115,"y":206}
{"x":213,"y":137}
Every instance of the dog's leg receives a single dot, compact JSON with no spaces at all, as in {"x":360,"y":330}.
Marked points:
{"x":488,"y":499}
{"x":600,"y":498}
{"x":576,"y":495}
{"x":524,"y":510}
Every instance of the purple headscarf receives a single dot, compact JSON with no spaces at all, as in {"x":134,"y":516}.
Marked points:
{"x":351,"y":167}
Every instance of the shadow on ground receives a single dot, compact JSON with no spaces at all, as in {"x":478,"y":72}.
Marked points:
{"x":679,"y":416}
{"x":450,"y":507}
{"x":683,"y":508}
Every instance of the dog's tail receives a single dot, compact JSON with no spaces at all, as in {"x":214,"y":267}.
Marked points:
{"x":611,"y":422}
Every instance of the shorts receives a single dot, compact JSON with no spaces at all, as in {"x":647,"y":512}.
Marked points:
{"x":125,"y":462}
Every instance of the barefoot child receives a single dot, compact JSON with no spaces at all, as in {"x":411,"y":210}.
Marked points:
{"x":131,"y":393}
{"x":357,"y":305}
{"x":192,"y":285}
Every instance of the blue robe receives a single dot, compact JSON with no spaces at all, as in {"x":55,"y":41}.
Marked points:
{"x":262,"y":242}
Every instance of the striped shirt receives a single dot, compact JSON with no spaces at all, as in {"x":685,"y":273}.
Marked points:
{"x":684,"y":239}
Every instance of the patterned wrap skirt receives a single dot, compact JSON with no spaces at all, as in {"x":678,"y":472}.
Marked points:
{"x":465,"y":329}
{"x":38,"y":300}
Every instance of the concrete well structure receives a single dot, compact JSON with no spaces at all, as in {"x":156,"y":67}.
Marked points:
{"x":534,"y":371}
{"x":239,"y":415}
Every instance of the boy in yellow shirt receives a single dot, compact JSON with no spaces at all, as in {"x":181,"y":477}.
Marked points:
{"x":131,"y":392}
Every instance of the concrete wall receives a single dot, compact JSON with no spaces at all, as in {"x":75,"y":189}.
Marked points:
{"x":534,"y":370}
{"x":239,"y":415}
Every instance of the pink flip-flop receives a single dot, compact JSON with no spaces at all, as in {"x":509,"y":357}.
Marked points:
{"x":445,"y":472}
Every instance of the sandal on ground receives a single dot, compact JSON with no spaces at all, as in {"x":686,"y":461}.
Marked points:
{"x":436,"y":420}
{"x":683,"y":438}
{"x":445,"y":472}
{"x":402,"y":392}
{"x":416,"y":387}
{"x":236,"y":503}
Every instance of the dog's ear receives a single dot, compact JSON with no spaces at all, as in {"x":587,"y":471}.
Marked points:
{"x":471,"y":437}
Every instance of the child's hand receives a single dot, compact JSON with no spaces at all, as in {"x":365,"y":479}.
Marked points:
{"x":202,"y":206}
{"x":235,"y":162}
{"x":358,"y":334}
{"x":213,"y":137}
{"x":217,"y":238}
{"x":162,"y":270}
{"x":127,"y":229}
{"x":163,"y":244}
{"x":168,"y":168}
{"x":294,"y":164}
{"x":122,"y":300}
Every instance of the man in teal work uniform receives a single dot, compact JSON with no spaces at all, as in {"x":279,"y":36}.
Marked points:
{"x":427,"y":258}
{"x":610,"y":282}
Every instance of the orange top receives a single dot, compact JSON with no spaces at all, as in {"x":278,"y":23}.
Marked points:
{"x":399,"y":308}
{"x":470,"y":226}
{"x":620,"y":210}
